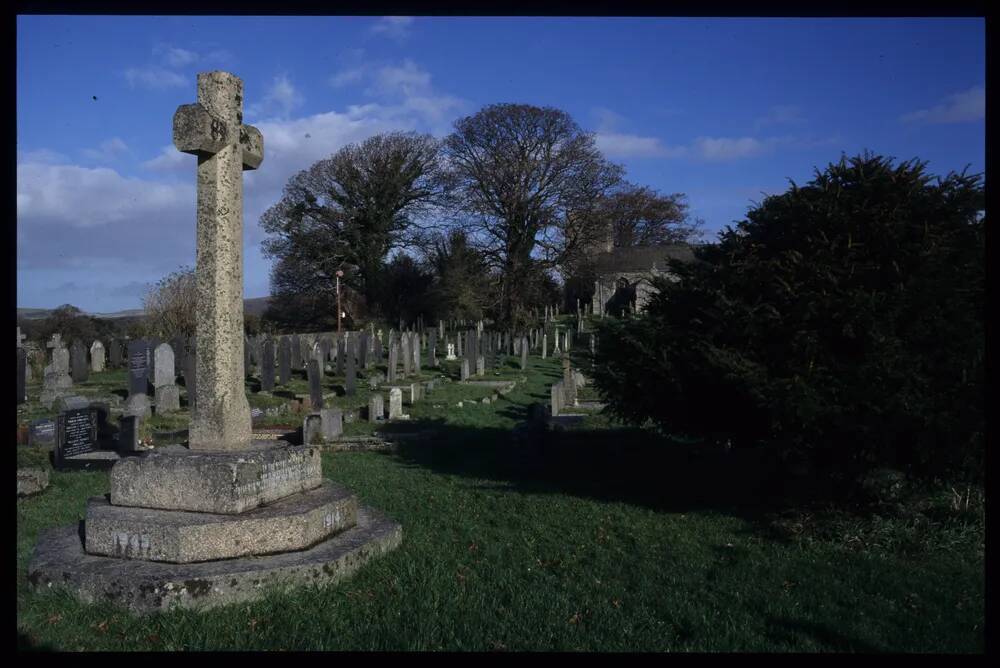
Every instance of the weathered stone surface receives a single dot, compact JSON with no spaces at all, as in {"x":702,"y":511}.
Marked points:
{"x":168,"y":399}
{"x":293,"y":523}
{"x":163,"y":366}
{"x":213,"y":130}
{"x":332,"y":420}
{"x":376,"y":408}
{"x":97,"y":357}
{"x":138,"y":404}
{"x":31,"y":480}
{"x":146,"y":587}
{"x":215,"y":482}
{"x":395,"y":404}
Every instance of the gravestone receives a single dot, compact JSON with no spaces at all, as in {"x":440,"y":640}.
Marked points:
{"x":376,"y":408}
{"x":450,"y":355}
{"x":362,"y":350}
{"x":97,"y":357}
{"x":138,"y":367}
{"x":168,"y":395}
{"x":464,"y":374}
{"x":415,"y":345}
{"x":128,"y":434}
{"x":331,"y":423}
{"x":393,"y":361}
{"x":350,"y":375}
{"x":284,"y":360}
{"x":56,"y":380}
{"x":524,"y":353}
{"x":480,"y":366}
{"x":340,"y":356}
{"x":191,"y":375}
{"x":247,"y":364}
{"x":432,"y":339}
{"x":76,"y":434}
{"x":79,"y":369}
{"x":267,"y":367}
{"x":22,"y":392}
{"x":407,"y":354}
{"x":295,"y":348}
{"x":42,"y":433}
{"x":115,"y":353}
{"x":315,"y":388}
{"x":395,"y":403}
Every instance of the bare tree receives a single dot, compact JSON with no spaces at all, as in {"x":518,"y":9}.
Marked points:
{"x":640,"y":216}
{"x":350,"y":210}
{"x":525,"y":177}
{"x":170,"y":305}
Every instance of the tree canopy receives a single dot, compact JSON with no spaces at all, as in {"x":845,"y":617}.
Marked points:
{"x":842,"y":319}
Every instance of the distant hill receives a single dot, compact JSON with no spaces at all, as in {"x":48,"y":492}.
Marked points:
{"x":255,"y":305}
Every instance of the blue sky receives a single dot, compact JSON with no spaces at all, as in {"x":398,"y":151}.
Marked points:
{"x":720,"y":109}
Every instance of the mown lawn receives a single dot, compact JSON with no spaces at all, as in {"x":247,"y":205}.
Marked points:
{"x":593,"y":540}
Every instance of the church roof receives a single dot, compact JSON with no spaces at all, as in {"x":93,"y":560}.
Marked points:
{"x":641,"y":258}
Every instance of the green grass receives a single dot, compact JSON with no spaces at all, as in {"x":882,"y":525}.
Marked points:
{"x":597,"y":541}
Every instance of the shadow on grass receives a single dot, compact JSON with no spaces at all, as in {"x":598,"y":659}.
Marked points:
{"x":25,"y":643}
{"x":621,"y":465}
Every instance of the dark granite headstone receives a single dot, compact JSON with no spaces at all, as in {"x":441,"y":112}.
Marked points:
{"x":128,"y":434}
{"x":138,"y":366}
{"x":22,"y":360}
{"x":177,"y":344}
{"x":41,"y":433}
{"x":315,"y":388}
{"x":115,"y":353}
{"x":432,"y":347}
{"x":340,"y":357}
{"x":524,"y":353}
{"x":325,"y":346}
{"x":350,"y":374}
{"x":296,"y":352}
{"x":378,"y":349}
{"x":191,"y":374}
{"x":78,"y":367}
{"x":267,"y":367}
{"x":363,"y":350}
{"x":76,"y":433}
{"x":284,"y":360}
{"x":246,"y":356}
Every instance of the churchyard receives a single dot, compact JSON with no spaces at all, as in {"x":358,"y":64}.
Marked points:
{"x":443,"y":486}
{"x":577,"y":536}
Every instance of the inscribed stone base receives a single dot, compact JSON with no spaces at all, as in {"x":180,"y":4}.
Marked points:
{"x":146,"y":587}
{"x":296,"y":522}
{"x":215,"y":482}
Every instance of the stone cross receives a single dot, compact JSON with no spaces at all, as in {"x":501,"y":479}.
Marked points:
{"x":55,"y":342}
{"x":213,"y":130}
{"x":20,"y":337}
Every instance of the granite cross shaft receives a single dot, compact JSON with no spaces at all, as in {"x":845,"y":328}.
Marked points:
{"x":213,"y":130}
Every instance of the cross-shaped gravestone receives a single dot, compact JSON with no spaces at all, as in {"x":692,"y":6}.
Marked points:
{"x":20,"y":337}
{"x":55,"y":341}
{"x":213,"y":130}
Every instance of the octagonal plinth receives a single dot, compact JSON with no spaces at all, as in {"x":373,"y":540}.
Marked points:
{"x":293,"y":523}
{"x":215,"y":482}
{"x":152,"y":586}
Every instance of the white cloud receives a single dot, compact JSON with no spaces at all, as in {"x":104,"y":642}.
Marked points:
{"x":781,"y":114}
{"x":41,"y":156}
{"x":397,"y":27}
{"x":90,"y":197}
{"x":153,"y":77}
{"x":108,"y":150}
{"x":724,"y":149}
{"x":348,"y":76}
{"x":963,"y":107}
{"x":619,"y":145}
{"x":170,"y":160}
{"x":406,"y":79}
{"x":281,"y":98}
{"x":177,"y":57}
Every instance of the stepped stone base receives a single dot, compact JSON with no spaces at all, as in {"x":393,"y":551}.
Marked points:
{"x":293,"y":523}
{"x":148,"y":586}
{"x":215,"y":481}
